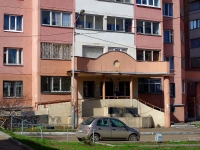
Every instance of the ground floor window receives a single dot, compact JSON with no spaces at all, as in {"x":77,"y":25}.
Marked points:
{"x":12,"y":88}
{"x":149,"y":85}
{"x":55,"y":84}
{"x":88,"y":88}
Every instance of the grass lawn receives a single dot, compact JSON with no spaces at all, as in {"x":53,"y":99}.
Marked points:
{"x":38,"y":144}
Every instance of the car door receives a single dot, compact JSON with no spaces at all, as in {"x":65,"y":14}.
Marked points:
{"x":103,"y":128}
{"x":118,"y":129}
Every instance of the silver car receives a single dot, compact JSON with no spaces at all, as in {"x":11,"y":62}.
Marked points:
{"x":106,"y":128}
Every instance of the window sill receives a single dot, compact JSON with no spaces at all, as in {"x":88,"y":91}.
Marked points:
{"x":150,"y":93}
{"x":168,"y":43}
{"x":102,"y":31}
{"x":168,"y":16}
{"x":141,"y":5}
{"x":12,"y":97}
{"x":56,"y":59}
{"x":13,"y":65}
{"x":149,"y":34}
{"x":13,"y":31}
{"x":55,"y":93}
{"x":46,"y":25}
{"x":115,"y":2}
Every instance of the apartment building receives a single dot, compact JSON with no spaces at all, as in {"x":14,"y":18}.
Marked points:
{"x":117,"y":54}
{"x":192,"y":24}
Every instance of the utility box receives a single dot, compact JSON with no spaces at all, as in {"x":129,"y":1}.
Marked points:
{"x":158,"y":138}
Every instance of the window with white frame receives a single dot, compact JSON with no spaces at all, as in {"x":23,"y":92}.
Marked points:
{"x":168,"y":36}
{"x":154,"y":3}
{"x":167,"y":9}
{"x":12,"y":56}
{"x":92,"y":51}
{"x":195,"y":62}
{"x":147,"y":27}
{"x":89,"y":21}
{"x":183,"y":87}
{"x":171,"y":62}
{"x":119,"y":24}
{"x":149,"y":85}
{"x":194,"y":5}
{"x":55,"y":84}
{"x":12,"y":22}
{"x":55,"y":51}
{"x":56,"y":18}
{"x":119,"y":1}
{"x":195,"y":24}
{"x":148,"y":55}
{"x":12,"y":89}
{"x":119,"y":49}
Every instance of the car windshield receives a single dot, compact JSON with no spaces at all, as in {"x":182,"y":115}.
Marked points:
{"x":88,"y":121}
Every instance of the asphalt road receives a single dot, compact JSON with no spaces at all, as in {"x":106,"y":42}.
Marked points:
{"x":145,"y":138}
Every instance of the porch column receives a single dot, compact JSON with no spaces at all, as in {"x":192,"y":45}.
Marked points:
{"x":104,"y":87}
{"x":131,"y":87}
{"x":167,"y":102}
{"x":197,"y":88}
{"x":76,"y":97}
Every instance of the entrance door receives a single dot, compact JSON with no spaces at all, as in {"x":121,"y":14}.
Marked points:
{"x":124,"y":88}
{"x":109,"y":89}
{"x":191,"y":108}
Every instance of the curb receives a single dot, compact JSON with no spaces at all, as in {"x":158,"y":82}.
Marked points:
{"x":72,"y":133}
{"x":17,"y":142}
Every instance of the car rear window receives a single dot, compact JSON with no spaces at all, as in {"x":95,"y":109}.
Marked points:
{"x":88,"y":121}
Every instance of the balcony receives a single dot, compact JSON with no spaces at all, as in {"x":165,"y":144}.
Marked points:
{"x":119,"y":1}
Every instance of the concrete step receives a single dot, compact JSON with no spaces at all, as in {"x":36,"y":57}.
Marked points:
{"x":183,"y":126}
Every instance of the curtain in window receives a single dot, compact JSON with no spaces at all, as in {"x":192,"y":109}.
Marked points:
{"x":6,"y":22}
{"x":66,"y":20}
{"x":19,"y":23}
{"x":155,"y":28}
{"x":12,"y":56}
{"x":56,"y":18}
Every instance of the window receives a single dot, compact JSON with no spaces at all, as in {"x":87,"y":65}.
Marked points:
{"x":148,"y":55}
{"x":117,"y":49}
{"x":167,"y":10}
{"x":149,"y":85}
{"x":12,"y":88}
{"x":116,"y":123}
{"x":12,"y":23}
{"x":103,"y":122}
{"x":195,"y":62}
{"x":155,"y":3}
{"x":147,"y":27}
{"x":168,"y":36}
{"x":89,"y":21}
{"x":171,"y":62}
{"x":55,"y":51}
{"x":119,"y":24}
{"x":195,"y":43}
{"x":195,"y":24}
{"x":183,"y":62}
{"x":56,"y":18}
{"x":92,"y":52}
{"x":12,"y":56}
{"x":182,"y":37}
{"x":183,"y":87}
{"x":119,"y":1}
{"x":55,"y":84}
{"x":195,"y":5}
{"x":172,"y":89}
{"x":88,"y":88}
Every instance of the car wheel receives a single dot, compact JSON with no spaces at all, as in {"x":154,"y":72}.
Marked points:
{"x":80,"y":139}
{"x":96,"y":138}
{"x":133,"y":137}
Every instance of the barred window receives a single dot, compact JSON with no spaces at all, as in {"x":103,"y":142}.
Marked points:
{"x":55,"y":51}
{"x":195,"y":62}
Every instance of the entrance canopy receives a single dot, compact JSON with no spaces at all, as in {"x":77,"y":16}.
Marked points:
{"x":120,"y":63}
